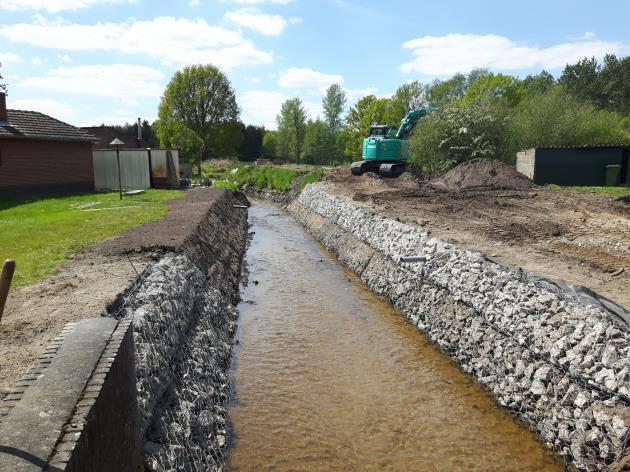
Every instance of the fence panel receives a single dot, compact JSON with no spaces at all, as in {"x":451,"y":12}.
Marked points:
{"x":134,"y":169}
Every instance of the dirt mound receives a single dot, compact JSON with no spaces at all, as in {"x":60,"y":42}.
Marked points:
{"x":482,"y":174}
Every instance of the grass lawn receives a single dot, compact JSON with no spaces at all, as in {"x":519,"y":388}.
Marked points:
{"x":613,"y":191}
{"x":40,"y":234}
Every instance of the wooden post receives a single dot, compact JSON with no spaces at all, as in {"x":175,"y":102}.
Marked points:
{"x":5,"y":282}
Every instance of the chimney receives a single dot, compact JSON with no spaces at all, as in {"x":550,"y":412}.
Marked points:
{"x":3,"y":107}
{"x":139,"y":132}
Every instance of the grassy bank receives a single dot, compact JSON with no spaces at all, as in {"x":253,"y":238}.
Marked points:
{"x":40,"y":234}
{"x":235,"y":175}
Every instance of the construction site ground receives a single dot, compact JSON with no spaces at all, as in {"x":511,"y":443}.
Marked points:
{"x":575,"y":235}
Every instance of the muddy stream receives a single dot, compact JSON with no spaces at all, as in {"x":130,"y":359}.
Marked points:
{"x":328,"y":376}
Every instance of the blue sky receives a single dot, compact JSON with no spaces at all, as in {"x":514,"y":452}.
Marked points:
{"x":107,"y":61}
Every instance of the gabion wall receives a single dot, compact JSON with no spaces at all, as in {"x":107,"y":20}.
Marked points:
{"x":559,"y":364}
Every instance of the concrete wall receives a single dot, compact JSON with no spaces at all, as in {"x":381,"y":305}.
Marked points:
{"x":526,"y":163}
{"x":560,"y":365}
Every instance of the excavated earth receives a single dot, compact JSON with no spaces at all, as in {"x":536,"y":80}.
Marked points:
{"x":574,"y":235}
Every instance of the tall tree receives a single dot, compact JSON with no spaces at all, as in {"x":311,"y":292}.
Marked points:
{"x":539,"y":83}
{"x":292,"y":125}
{"x":581,"y":80}
{"x":201,"y":97}
{"x":178,"y":135}
{"x":407,"y":97}
{"x":251,"y":148}
{"x":318,"y":143}
{"x":270,"y":145}
{"x":334,"y":102}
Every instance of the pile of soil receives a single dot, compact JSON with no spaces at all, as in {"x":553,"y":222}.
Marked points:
{"x":482,"y":174}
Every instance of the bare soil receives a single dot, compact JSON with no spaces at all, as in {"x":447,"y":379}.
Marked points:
{"x":85,"y":285}
{"x":579,"y":236}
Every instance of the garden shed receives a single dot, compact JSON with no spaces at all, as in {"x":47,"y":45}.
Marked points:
{"x":595,"y":165}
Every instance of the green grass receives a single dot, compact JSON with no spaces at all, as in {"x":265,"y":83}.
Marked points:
{"x":613,"y":191}
{"x":311,"y":178}
{"x":40,"y":234}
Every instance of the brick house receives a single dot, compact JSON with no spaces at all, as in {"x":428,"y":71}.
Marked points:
{"x":39,"y":154}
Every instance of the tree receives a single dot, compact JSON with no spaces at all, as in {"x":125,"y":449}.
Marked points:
{"x":270,"y":145}
{"x":615,"y":84}
{"x":292,"y":125}
{"x":201,"y":98}
{"x":498,"y":85}
{"x":334,"y":102}
{"x":177,"y":135}
{"x":442,"y":91}
{"x":539,"y":83}
{"x":556,"y":118}
{"x":581,"y":80}
{"x":319,"y":143}
{"x":251,"y":148}
{"x":407,"y":97}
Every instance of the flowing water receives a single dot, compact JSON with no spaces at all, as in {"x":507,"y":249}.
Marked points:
{"x":327,"y":376}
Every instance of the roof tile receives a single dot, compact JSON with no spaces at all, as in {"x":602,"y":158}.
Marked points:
{"x":35,"y":125}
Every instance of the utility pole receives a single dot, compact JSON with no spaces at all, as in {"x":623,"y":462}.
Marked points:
{"x":117,"y":142}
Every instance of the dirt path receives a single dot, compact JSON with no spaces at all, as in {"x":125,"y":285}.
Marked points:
{"x":578,"y":236}
{"x":85,"y":285}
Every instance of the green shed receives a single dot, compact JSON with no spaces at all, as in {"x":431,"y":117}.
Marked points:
{"x":596,"y":165}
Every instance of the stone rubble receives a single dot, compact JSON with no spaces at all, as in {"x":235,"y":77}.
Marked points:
{"x":562,"y":366}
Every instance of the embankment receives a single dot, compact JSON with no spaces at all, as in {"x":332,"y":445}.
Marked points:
{"x":558,"y":362}
{"x":147,"y":382}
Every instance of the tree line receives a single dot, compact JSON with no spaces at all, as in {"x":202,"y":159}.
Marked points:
{"x":479,"y":114}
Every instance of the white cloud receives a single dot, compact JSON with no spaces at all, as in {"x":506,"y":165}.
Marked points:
{"x":64,"y":57}
{"x":37,"y":61}
{"x":307,"y":78}
{"x":52,"y":5}
{"x":452,"y":53}
{"x":260,"y":107}
{"x":171,"y":40}
{"x":59,"y":110}
{"x":116,"y":80}
{"x":254,"y":80}
{"x":357,"y":93}
{"x":252,"y":18}
{"x":8,"y":58}
{"x":194,"y":3}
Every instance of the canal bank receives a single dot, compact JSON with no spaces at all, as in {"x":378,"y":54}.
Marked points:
{"x":328,"y":376}
{"x":557,"y":360}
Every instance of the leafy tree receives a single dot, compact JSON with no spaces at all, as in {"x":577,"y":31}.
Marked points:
{"x":615,"y":83}
{"x":251,"y":148}
{"x":581,"y":80}
{"x":407,"y":97}
{"x":318,"y":142}
{"x":498,"y":85}
{"x":177,"y":135}
{"x":459,"y":131}
{"x":556,"y":118}
{"x":538,"y":83}
{"x":334,"y":102}
{"x":270,"y":145}
{"x":201,"y":98}
{"x":292,"y":126}
{"x":442,"y":91}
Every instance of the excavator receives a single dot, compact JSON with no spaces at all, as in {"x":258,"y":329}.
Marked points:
{"x":385,"y":149}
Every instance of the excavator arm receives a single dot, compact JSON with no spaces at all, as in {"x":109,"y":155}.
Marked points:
{"x":409,"y":122}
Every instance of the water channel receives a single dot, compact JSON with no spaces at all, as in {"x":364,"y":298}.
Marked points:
{"x":328,"y":376}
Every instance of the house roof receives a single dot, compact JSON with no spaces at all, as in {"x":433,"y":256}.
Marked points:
{"x":34,"y":125}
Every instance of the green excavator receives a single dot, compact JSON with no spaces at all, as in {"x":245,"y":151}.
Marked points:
{"x":385,"y":150}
